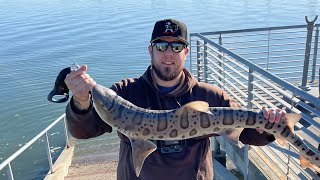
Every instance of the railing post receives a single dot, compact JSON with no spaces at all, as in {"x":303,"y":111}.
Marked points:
{"x":48,"y":152}
{"x":315,"y":54}
{"x":198,"y":61}
{"x":205,"y":61}
{"x":190,"y":50}
{"x":217,"y":153}
{"x":246,"y":162}
{"x":268,"y":55}
{"x":288,"y":161}
{"x":9,"y":172}
{"x":224,"y":70}
{"x":250,"y":89}
{"x":220,"y":57}
{"x":249,"y":106}
{"x":310,"y":27}
{"x":66,"y":132}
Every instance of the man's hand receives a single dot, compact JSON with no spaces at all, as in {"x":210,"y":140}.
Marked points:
{"x":273,"y":115}
{"x":80,"y":84}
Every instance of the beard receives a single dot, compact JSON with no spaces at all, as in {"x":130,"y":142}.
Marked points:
{"x":165,"y":73}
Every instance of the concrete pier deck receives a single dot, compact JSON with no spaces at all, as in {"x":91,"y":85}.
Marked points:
{"x":102,"y":165}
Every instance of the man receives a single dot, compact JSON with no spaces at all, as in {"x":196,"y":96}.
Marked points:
{"x":166,"y":84}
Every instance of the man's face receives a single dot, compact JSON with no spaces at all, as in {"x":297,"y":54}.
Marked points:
{"x":167,"y":64}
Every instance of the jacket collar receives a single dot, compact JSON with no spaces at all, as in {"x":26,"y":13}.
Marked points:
{"x":187,"y":82}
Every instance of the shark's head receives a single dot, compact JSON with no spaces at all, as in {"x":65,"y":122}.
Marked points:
{"x":103,"y":100}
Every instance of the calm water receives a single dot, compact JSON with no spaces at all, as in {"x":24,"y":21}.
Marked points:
{"x":38,"y":38}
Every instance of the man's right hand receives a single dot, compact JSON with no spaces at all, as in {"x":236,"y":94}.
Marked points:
{"x":80,"y":84}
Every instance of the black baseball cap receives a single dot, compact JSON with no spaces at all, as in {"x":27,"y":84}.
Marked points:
{"x":170,"y":28}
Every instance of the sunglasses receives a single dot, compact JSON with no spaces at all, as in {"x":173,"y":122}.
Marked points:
{"x":175,"y":46}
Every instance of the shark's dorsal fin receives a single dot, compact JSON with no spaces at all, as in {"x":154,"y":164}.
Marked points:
{"x":292,"y":119}
{"x":141,"y":149}
{"x":201,"y":106}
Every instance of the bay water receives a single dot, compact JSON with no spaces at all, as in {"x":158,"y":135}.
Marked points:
{"x":38,"y":38}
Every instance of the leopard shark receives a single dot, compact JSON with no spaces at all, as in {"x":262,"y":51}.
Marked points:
{"x":191,"y":120}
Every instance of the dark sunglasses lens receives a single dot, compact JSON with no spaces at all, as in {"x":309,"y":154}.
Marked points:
{"x":162,"y":46}
{"x":177,"y":47}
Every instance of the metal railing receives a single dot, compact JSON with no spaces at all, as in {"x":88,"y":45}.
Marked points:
{"x":44,"y":133}
{"x":256,"y":84}
{"x":279,"y":50}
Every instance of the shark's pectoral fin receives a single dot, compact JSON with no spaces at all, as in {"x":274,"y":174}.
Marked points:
{"x":141,"y":149}
{"x":195,"y":105}
{"x":306,"y":163}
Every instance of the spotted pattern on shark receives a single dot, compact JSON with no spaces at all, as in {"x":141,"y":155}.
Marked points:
{"x":191,"y":120}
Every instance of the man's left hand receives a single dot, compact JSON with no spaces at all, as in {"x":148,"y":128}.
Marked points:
{"x":273,"y":115}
